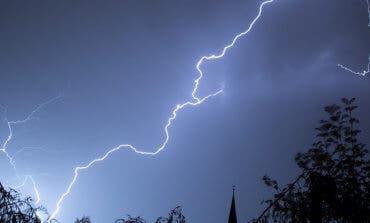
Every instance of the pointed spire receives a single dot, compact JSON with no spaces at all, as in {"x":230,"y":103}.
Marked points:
{"x":232,"y":214}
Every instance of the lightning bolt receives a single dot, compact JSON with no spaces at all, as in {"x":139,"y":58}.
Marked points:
{"x":35,"y":189}
{"x":10,"y":125}
{"x":364,"y":72}
{"x":194,"y":101}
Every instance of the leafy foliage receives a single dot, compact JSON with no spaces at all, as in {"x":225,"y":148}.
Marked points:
{"x":175,"y":216}
{"x":335,"y":182}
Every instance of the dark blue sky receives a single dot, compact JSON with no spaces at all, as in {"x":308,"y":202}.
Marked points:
{"x":122,"y":66}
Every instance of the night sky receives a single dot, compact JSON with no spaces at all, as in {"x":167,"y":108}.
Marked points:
{"x":121,"y":67}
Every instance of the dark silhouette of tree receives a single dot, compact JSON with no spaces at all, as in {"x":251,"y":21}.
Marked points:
{"x":334,"y":185}
{"x":84,"y":219}
{"x":131,"y":220}
{"x":13,"y":209}
{"x":175,"y":216}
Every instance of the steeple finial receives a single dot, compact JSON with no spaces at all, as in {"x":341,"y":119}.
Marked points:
{"x":232,"y":214}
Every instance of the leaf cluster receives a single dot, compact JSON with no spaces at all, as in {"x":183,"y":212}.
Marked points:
{"x":334,"y":184}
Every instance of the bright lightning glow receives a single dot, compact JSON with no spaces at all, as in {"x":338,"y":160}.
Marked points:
{"x":364,"y":72}
{"x":195,"y":100}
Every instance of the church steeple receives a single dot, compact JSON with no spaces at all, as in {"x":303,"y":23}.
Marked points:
{"x":232,"y":214}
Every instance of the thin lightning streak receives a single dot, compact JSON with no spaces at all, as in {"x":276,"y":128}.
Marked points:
{"x":363,"y":73}
{"x":195,"y":100}
{"x":10,"y":125}
{"x":24,"y":149}
{"x":35,"y":189}
{"x":28,"y":149}
{"x":367,"y":71}
{"x":23,"y":182}
{"x":3,"y":148}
